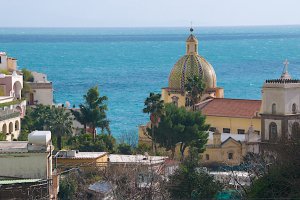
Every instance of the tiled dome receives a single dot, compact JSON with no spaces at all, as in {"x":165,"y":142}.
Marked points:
{"x":190,"y":65}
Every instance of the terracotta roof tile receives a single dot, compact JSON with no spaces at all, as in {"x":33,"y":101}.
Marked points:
{"x":240,"y":108}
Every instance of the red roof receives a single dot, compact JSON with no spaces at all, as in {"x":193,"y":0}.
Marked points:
{"x":240,"y":108}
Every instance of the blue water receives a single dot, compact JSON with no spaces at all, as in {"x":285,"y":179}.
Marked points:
{"x":128,"y":63}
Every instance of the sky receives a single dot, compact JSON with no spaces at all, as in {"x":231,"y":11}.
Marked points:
{"x":147,"y":13}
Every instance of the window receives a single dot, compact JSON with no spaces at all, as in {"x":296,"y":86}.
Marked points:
{"x":226,"y":130}
{"x":187,"y":102}
{"x":257,"y":132}
{"x":273,"y":108}
{"x":294,"y":108}
{"x":241,"y":131}
{"x":296,"y":130}
{"x":207,"y":156}
{"x":230,"y":156}
{"x":212,"y":129}
{"x":272,"y":131}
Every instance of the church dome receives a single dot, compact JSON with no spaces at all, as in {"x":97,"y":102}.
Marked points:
{"x":190,"y":65}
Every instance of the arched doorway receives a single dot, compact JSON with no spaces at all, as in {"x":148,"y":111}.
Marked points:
{"x":11,"y":128}
{"x":273,"y":135}
{"x":17,"y":90}
{"x":4,"y":129}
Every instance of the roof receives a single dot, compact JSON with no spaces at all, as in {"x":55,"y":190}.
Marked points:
{"x":13,"y":147}
{"x":73,"y":154}
{"x":226,"y":136}
{"x":240,"y":108}
{"x":132,"y":159}
{"x":16,"y":181}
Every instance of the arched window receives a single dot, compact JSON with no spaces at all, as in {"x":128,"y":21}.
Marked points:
{"x":273,"y":131}
{"x":175,"y":100}
{"x":4,"y":129}
{"x":295,"y":130}
{"x":294,"y":108}
{"x":11,"y":128}
{"x":273,"y":108}
{"x":17,"y":125}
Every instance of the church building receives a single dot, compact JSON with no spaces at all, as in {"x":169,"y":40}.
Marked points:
{"x":237,"y":126}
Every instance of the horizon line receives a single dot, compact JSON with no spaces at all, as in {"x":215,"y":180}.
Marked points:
{"x":217,"y":26}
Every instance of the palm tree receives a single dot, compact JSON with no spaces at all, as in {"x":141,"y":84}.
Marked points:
{"x":93,"y":112}
{"x":195,"y":88}
{"x":60,"y":124}
{"x":154,"y":106}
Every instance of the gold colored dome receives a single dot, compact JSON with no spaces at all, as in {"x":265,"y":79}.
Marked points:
{"x":192,"y":64}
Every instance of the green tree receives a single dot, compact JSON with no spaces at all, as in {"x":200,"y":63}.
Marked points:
{"x":191,"y":182}
{"x":27,"y":75}
{"x":183,"y":127}
{"x":93,"y":112}
{"x":60,"y":124}
{"x":124,"y":148}
{"x":154,"y":106}
{"x":85,"y":142}
{"x":194,"y":89}
{"x":2,"y":137}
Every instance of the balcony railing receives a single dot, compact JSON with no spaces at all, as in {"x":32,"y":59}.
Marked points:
{"x":8,"y":114}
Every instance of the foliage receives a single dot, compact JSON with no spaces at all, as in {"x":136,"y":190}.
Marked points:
{"x":179,"y":126}
{"x":85,"y":142}
{"x":41,"y":117}
{"x":155,"y":107}
{"x":282,"y":179}
{"x":60,"y":124}
{"x":93,"y":112}
{"x":67,"y":188}
{"x":2,"y":137}
{"x":124,"y":148}
{"x":194,"y":88}
{"x":142,"y":149}
{"x":191,"y":182}
{"x":4,"y":71}
{"x":14,"y":102}
{"x":27,"y":75}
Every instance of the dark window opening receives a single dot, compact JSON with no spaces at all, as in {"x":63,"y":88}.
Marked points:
{"x":226,"y":130}
{"x":207,"y":156}
{"x":241,"y":131}
{"x":273,"y":108}
{"x":230,"y":156}
{"x":257,"y":132}
{"x":294,"y":108}
{"x":273,"y":131}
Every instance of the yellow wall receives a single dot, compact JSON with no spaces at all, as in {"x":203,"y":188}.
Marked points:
{"x":233,"y":123}
{"x":83,"y":162}
{"x":167,"y":97}
{"x":219,"y":154}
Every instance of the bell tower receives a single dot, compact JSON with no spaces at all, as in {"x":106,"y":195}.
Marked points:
{"x":280,"y":112}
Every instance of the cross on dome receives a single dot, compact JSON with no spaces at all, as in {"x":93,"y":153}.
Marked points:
{"x":285,"y":74}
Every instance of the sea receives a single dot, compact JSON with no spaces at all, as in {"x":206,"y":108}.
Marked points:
{"x":129,"y":63}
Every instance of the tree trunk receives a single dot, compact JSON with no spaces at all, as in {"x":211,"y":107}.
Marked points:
{"x":173,"y":152}
{"x":94,"y":133}
{"x":182,"y":149}
{"x":152,"y":135}
{"x":59,"y":142}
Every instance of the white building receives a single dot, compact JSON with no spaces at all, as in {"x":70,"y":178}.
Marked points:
{"x":27,"y":159}
{"x":41,"y":90}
